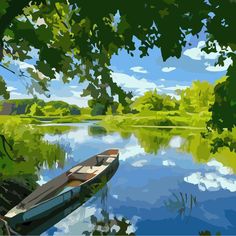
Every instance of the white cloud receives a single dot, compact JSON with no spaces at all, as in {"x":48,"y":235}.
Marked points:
{"x":211,"y":182}
{"x":173,"y":88}
{"x":139,"y":69}
{"x":168,"y":163}
{"x":139,"y":163}
{"x":10,"y":89}
{"x":176,"y":142}
{"x":217,"y":68}
{"x":162,"y":80}
{"x":16,"y":95}
{"x":131,"y":151}
{"x":163,"y":152}
{"x":110,"y":139}
{"x":75,"y":137}
{"x":115,"y":196}
{"x":139,"y":86}
{"x":224,"y":170}
{"x":73,"y":86}
{"x":76,"y":222}
{"x":168,"y":69}
{"x":197,"y":54}
{"x":75,"y":99}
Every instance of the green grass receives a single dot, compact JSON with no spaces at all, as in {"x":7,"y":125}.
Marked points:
{"x":164,"y":119}
{"x":19,"y":119}
{"x":149,"y":118}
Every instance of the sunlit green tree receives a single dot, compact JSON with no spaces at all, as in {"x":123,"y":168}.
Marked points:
{"x":36,"y":110}
{"x":152,"y":101}
{"x":198,"y":97}
{"x":78,"y":38}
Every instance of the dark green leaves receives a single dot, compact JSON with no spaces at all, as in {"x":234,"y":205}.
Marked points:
{"x":3,"y":89}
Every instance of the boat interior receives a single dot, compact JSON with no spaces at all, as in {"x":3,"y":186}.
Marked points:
{"x":72,"y":178}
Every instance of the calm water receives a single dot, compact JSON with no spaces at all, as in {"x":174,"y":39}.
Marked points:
{"x":167,"y":182}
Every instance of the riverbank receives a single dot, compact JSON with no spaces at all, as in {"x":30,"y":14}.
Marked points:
{"x":178,"y":152}
{"x":148,"y":119}
{"x":171,"y":119}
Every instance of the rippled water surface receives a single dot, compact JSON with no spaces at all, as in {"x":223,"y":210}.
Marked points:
{"x":167,"y":182}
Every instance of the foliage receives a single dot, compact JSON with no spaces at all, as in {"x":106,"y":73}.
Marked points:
{"x":78,"y":38}
{"x":208,"y":233}
{"x":153,"y":101}
{"x":36,"y":110}
{"x":98,"y":109}
{"x":37,"y":107}
{"x":20,"y":145}
{"x":197,"y":98}
{"x":224,"y":107}
{"x":108,"y":225}
{"x":3,"y":89}
{"x":14,"y":189}
{"x":152,"y":118}
{"x":197,"y":142}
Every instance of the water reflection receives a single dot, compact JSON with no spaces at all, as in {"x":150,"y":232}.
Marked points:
{"x":23,"y":152}
{"x":182,"y":203}
{"x":154,"y":165}
{"x":86,"y":192}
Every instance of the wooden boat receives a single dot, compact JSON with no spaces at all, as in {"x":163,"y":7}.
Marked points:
{"x":65,"y":188}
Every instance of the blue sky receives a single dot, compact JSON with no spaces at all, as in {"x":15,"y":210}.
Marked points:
{"x":135,"y":74}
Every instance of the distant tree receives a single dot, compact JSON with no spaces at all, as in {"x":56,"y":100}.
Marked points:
{"x":149,"y":101}
{"x":79,"y":38}
{"x":115,"y":109}
{"x":109,"y":111}
{"x":74,"y":110}
{"x":98,"y":109}
{"x":152,"y":101}
{"x":120,"y":109}
{"x":198,"y":97}
{"x":170,"y":103}
{"x":100,"y":106}
{"x":36,"y":110}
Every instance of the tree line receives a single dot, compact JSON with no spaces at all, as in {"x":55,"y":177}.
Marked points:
{"x":37,"y":107}
{"x":199,"y":97}
{"x":78,"y":39}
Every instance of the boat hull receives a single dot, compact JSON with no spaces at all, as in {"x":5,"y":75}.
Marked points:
{"x":81,"y":194}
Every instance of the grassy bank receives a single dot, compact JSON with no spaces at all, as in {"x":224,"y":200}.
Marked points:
{"x":157,"y":119}
{"x":151,"y":118}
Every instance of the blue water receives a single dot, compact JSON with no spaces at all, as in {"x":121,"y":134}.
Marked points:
{"x":164,"y":193}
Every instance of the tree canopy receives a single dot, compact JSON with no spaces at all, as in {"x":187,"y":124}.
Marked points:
{"x":78,"y":37}
{"x":199,"y":97}
{"x":37,"y":107}
{"x":153,"y":101}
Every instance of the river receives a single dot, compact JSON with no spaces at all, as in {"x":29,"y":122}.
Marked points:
{"x":166,"y":183}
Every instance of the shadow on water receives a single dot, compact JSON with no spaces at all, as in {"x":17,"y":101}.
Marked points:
{"x":86,"y":192}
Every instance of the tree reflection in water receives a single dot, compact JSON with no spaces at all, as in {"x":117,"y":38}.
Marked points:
{"x":108,"y":225}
